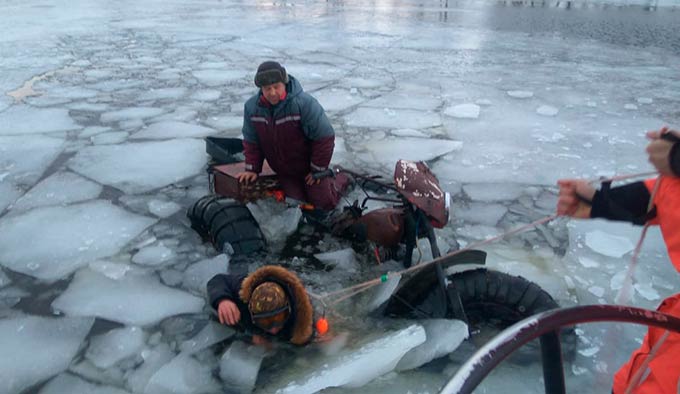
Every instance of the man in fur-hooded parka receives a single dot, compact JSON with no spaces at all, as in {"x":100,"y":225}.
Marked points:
{"x":232,"y":297}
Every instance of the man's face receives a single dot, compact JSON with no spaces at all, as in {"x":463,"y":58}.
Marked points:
{"x":274,"y":92}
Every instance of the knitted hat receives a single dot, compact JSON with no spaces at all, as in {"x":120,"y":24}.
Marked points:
{"x":267,"y":297}
{"x":270,"y":72}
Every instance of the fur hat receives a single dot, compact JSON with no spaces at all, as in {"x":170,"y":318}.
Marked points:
{"x":267,"y":297}
{"x":270,"y":72}
{"x":302,"y":310}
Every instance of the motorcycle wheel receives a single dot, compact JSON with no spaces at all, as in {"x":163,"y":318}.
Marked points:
{"x":227,"y":224}
{"x":492,"y":301}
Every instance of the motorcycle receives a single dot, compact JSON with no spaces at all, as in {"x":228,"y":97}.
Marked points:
{"x":418,"y":206}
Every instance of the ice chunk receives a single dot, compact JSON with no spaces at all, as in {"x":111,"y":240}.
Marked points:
{"x":443,"y":337}
{"x":130,"y":113}
{"x":392,"y":118}
{"x":388,"y":151}
{"x":163,"y":94}
{"x":198,"y":274}
{"x":107,"y":349}
{"x":522,"y":94}
{"x":590,"y":352}
{"x":587,"y":262}
{"x":226,"y":122}
{"x":154,"y":359}
{"x":163,"y":209}
{"x":8,"y":194}
{"x":597,"y":291}
{"x":94,"y":130}
{"x":411,"y":100}
{"x":211,"y":334}
{"x":22,"y":119}
{"x":110,"y":269}
{"x":61,"y":188}
{"x":344,"y":259}
{"x":630,"y":106}
{"x":547,"y":110}
{"x":135,"y":299}
{"x":171,"y":129}
{"x":354,"y":367}
{"x":14,"y":167}
{"x":276,"y":221}
{"x":647,"y":291}
{"x":219,"y":77}
{"x":488,"y":214}
{"x":240,"y":365}
{"x":109,"y":138}
{"x":153,"y":255}
{"x":35,"y":348}
{"x":66,"y":238}
{"x":141,"y":167}
{"x":67,"y":383}
{"x":206,"y":95}
{"x":337,"y":99}
{"x":4,"y":280}
{"x":463,"y":111}
{"x":478,"y":231}
{"x":409,"y":133}
{"x":608,"y":244}
{"x":645,"y":100}
{"x":182,"y":375}
{"x":491,"y":192}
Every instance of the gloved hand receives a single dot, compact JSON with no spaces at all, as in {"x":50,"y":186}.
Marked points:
{"x":574,"y":197}
{"x":659,"y":149}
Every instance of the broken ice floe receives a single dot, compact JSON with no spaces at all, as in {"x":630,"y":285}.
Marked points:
{"x":138,"y":300}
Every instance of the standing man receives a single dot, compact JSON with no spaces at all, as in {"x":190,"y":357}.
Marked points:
{"x":579,"y":199}
{"x":289,"y":128}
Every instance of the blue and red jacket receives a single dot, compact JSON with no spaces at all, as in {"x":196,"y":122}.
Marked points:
{"x":295,"y":136}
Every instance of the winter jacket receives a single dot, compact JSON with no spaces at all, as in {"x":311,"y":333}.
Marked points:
{"x":295,"y":136}
{"x":630,"y":203}
{"x":238,"y":288}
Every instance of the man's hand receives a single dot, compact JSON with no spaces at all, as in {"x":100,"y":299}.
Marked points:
{"x":246,"y":177}
{"x":228,"y":312}
{"x":309,"y":179}
{"x":570,"y":201}
{"x":659,"y":150}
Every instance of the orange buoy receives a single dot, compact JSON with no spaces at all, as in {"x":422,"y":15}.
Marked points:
{"x":322,"y":326}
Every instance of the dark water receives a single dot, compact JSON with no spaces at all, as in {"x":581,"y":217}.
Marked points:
{"x":622,"y":25}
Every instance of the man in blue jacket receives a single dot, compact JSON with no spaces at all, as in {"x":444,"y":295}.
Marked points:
{"x":289,"y":128}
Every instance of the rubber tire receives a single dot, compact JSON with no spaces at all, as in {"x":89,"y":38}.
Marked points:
{"x":225,"y":222}
{"x":505,"y":299}
{"x":490,"y":297}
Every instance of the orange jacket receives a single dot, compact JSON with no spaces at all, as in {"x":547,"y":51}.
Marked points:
{"x":663,"y":371}
{"x":667,"y":203}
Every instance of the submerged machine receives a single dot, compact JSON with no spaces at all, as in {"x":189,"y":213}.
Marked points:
{"x":418,"y":205}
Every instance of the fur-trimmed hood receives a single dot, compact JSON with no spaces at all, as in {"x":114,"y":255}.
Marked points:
{"x":303,"y":312}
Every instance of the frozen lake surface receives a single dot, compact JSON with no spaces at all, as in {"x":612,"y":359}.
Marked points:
{"x":103,"y":107}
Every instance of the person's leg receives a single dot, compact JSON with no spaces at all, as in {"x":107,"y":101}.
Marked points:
{"x":293,"y":187}
{"x":327,"y":193}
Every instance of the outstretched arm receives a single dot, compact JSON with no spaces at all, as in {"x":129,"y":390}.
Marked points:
{"x":578,"y":199}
